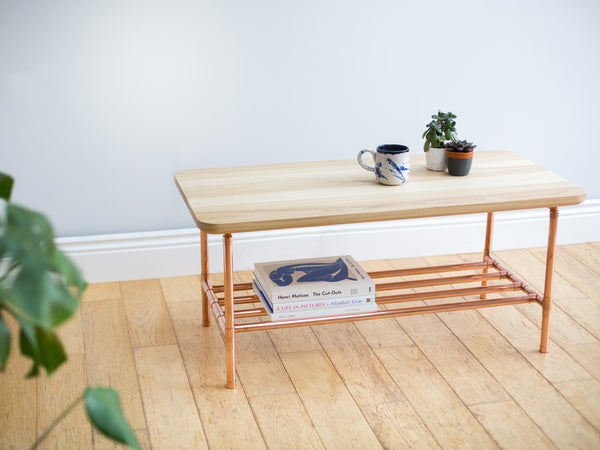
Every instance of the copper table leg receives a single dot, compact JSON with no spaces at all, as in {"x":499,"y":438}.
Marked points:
{"x":487,"y":251}
{"x":229,"y":325}
{"x":547,"y":302}
{"x":204,"y":277}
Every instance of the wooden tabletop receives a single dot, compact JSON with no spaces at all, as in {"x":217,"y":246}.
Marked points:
{"x":274,"y":196}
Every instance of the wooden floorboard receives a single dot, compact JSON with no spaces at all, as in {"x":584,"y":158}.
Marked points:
{"x":465,"y":379}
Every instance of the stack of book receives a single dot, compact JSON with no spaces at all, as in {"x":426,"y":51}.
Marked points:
{"x":313,"y":287}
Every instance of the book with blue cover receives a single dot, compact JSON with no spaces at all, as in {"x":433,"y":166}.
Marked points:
{"x":313,"y":279}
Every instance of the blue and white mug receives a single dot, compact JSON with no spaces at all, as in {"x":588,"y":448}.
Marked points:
{"x":392,"y":163}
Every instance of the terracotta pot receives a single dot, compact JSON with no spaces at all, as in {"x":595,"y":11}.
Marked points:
{"x":459,"y":163}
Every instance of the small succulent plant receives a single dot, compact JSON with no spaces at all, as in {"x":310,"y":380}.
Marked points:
{"x":442,"y":128}
{"x":460,"y":146}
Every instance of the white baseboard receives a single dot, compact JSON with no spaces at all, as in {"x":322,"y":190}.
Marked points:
{"x":132,"y":256}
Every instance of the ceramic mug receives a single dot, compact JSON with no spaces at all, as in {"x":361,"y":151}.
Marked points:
{"x":392,"y":164}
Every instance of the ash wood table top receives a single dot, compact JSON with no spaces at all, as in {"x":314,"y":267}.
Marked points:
{"x":275,"y":196}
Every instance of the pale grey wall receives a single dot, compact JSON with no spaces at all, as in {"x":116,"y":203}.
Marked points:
{"x":102,"y":101}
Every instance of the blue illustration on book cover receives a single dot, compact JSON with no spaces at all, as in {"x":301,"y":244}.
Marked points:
{"x":315,"y":278}
{"x":330,"y":272}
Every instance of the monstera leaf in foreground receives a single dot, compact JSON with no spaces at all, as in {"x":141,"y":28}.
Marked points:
{"x":41,"y":288}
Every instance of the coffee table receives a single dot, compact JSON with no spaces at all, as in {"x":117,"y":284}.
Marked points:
{"x":266,"y":197}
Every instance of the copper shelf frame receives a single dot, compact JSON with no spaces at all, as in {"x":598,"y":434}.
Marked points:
{"x":225,"y":312}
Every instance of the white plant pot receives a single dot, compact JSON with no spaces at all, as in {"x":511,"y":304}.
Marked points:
{"x":436,"y":159}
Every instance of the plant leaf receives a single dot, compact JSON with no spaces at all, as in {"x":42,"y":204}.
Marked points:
{"x":26,"y":232}
{"x":38,"y":291}
{"x":29,"y":347}
{"x":42,"y":346}
{"x":40,"y":297}
{"x":67,"y":269}
{"x":6,"y":184}
{"x":4,"y":343}
{"x":51,"y":349}
{"x":104,"y":410}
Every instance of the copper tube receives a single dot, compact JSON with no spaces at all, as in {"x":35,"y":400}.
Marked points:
{"x":509,"y":274}
{"x":229,"y":325}
{"x":529,"y":290}
{"x":413,"y":296}
{"x":547,"y":300}
{"x":487,"y":250}
{"x":236,"y":287}
{"x":438,"y":281}
{"x":428,"y":269}
{"x":402,"y":284}
{"x":446,"y":293}
{"x":247,"y":299}
{"x":204,"y":271}
{"x":254,"y":312}
{"x":489,"y":232}
{"x":515,"y":279}
{"x":214,"y":304}
{"x":428,"y":309}
{"x":391,"y":273}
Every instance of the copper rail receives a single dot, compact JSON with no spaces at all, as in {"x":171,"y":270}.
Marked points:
{"x":253,"y":298}
{"x":428,"y":309}
{"x":489,"y":269}
{"x":417,"y":296}
{"x":501,"y":272}
{"x":394,"y":273}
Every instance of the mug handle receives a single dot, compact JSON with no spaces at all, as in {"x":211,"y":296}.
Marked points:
{"x":360,"y":161}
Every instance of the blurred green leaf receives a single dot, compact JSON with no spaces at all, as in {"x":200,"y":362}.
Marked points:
{"x":51,"y":350}
{"x":104,"y":410}
{"x":6,"y":184}
{"x":29,"y":347}
{"x":26,"y":233}
{"x":42,"y":346}
{"x":4,"y":343}
{"x":40,"y":297}
{"x":42,"y":288}
{"x":37,"y":287}
{"x":63,"y":265}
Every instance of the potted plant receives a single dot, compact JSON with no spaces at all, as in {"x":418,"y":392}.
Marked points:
{"x":459,"y":156}
{"x":41,"y":288}
{"x":441,"y":129}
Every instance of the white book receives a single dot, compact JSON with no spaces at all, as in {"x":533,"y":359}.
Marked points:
{"x":334,"y":311}
{"x":313,"y":279}
{"x":308,"y":305}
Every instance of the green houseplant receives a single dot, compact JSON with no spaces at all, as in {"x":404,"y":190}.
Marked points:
{"x":459,"y":156}
{"x":41,"y":288}
{"x":441,"y":129}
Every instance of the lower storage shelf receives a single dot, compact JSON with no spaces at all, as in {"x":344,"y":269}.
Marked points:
{"x":393,"y":287}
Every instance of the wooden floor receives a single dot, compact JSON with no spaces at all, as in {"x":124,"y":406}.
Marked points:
{"x":469,"y":379}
